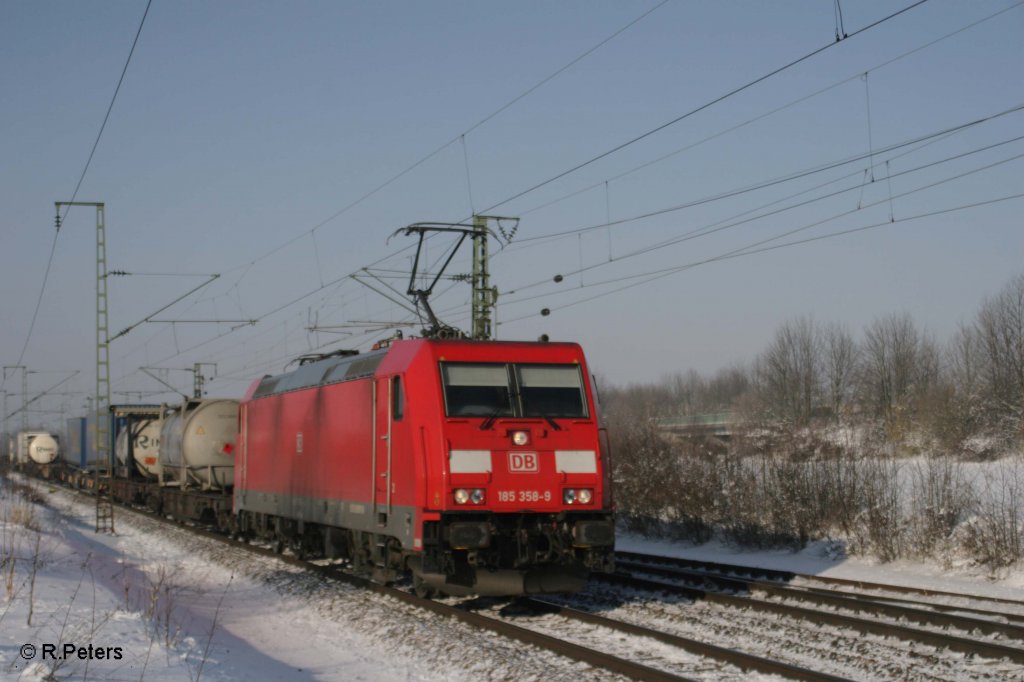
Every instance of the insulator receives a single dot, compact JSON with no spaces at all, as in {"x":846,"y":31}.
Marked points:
{"x":558,"y":278}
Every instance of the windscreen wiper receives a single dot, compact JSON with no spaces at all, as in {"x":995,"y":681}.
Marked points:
{"x":493,"y":417}
{"x":553,"y":423}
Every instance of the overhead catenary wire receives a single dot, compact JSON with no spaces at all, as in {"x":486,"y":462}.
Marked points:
{"x":737,"y":254}
{"x":784,"y":178}
{"x":772,"y":112}
{"x":856,"y":76}
{"x":245,"y":267}
{"x":859,"y":208}
{"x":872,"y":25}
{"x":754,"y":247}
{"x":437,"y":150}
{"x":78,"y":186}
{"x":319,"y":289}
{"x":700,"y":108}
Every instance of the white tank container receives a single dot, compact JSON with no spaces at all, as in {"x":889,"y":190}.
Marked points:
{"x":43,"y":448}
{"x":145,"y":448}
{"x":197,"y":444}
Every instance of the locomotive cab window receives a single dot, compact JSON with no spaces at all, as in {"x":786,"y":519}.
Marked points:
{"x":499,"y":390}
{"x":551,"y":391}
{"x":476,"y":390}
{"x":397,"y":399}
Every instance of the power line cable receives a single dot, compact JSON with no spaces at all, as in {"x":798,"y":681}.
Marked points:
{"x":751,"y":247}
{"x":110,"y":108}
{"x":81,"y":178}
{"x":702,"y":107}
{"x":341,"y":279}
{"x":247,"y":266}
{"x":731,"y":255}
{"x":461,"y":135}
{"x":805,"y":57}
{"x":858,"y":75}
{"x":782,"y":179}
{"x":759,"y":117}
{"x":694,"y":234}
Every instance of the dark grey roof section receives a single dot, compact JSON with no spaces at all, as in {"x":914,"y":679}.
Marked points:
{"x":326,"y":371}
{"x":303,"y":377}
{"x":266,"y":386}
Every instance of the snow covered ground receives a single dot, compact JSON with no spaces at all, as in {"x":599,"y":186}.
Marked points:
{"x":162,"y":604}
{"x":166,"y":605}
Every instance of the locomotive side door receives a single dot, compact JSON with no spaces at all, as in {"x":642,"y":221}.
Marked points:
{"x":383,"y":419}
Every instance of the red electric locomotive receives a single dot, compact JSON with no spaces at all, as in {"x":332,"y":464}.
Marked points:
{"x":479,"y":467}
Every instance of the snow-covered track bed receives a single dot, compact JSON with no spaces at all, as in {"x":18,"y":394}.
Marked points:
{"x":807,"y":623}
{"x":963,"y":619}
{"x":329,"y":577}
{"x":1010,"y":609}
{"x":733,"y":658}
{"x":832,"y":648}
{"x":868,"y":625}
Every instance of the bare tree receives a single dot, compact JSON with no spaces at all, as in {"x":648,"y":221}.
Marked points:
{"x":899,"y":363}
{"x":840,"y":368}
{"x":789,"y":372}
{"x":1000,"y":327}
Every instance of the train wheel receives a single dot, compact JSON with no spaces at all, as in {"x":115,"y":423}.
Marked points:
{"x":420,"y":589}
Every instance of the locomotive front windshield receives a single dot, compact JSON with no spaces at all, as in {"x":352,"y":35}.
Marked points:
{"x":513,"y":390}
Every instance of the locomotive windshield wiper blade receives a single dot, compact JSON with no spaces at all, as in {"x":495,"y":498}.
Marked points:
{"x":553,"y":423}
{"x":491,"y":418}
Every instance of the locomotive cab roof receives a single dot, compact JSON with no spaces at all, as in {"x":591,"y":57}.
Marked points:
{"x":401,"y":353}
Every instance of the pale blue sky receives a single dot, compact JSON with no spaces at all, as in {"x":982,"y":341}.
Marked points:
{"x":241,"y":125}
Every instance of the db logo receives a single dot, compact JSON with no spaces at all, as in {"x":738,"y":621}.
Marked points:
{"x":523,"y":462}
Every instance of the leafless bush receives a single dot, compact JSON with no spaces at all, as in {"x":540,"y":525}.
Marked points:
{"x":161,"y":597}
{"x":878,"y":527}
{"x":995,"y":535}
{"x":941,"y":498}
{"x":32,"y":579}
{"x":213,"y":628}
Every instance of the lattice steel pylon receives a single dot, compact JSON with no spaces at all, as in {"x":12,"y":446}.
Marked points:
{"x":103,"y":466}
{"x":484,"y":296}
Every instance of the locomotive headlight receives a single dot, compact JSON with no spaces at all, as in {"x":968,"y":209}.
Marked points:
{"x":466,"y":495}
{"x":577,"y":495}
{"x":521,"y":437}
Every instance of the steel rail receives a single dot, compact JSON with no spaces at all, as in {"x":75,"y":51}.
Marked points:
{"x":786,"y":576}
{"x":865,"y":626}
{"x":860,"y":603}
{"x":744,"y":661}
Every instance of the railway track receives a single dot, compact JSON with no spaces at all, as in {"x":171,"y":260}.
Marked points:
{"x":565,"y":618}
{"x":922,"y":613}
{"x":865,"y":613}
{"x":788,"y":577}
{"x":465,"y":612}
